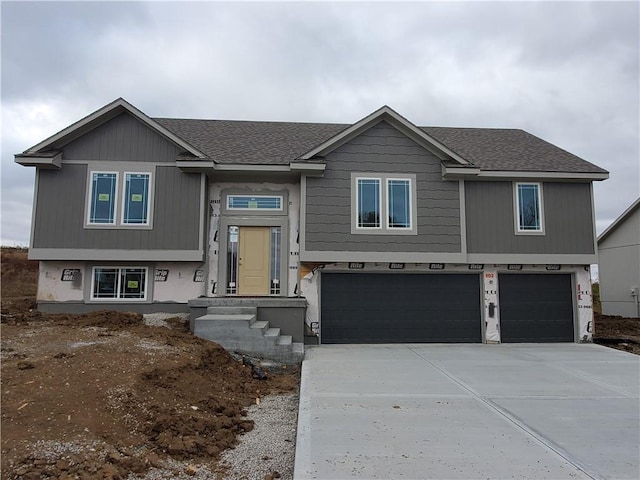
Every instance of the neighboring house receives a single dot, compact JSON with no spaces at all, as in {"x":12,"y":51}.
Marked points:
{"x":377,"y":231}
{"x":619,"y":264}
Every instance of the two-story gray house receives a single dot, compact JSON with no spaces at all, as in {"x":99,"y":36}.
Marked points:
{"x":377,"y":231}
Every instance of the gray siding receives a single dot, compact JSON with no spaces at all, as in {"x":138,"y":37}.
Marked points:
{"x":619,"y":268}
{"x":568,"y":221}
{"x":382,"y":149}
{"x":60,"y":210}
{"x":123,"y":138}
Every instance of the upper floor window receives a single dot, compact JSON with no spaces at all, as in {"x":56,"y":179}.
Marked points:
{"x":529,"y":208}
{"x":251,"y":202}
{"x":136,"y":199}
{"x":383,"y":203}
{"x":106,"y":209}
{"x":103,"y":197}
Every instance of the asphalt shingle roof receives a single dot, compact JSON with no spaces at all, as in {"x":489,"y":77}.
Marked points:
{"x":279,"y":143}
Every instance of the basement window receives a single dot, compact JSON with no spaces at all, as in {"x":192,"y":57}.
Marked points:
{"x":119,"y":283}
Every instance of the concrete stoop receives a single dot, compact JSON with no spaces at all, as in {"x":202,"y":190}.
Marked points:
{"x":237,"y":330}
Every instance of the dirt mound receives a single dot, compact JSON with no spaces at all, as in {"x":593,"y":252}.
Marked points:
{"x":101,"y":395}
{"x":617,"y":332}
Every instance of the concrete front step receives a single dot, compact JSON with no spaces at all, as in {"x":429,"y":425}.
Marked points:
{"x":225,"y":310}
{"x":236,"y":329}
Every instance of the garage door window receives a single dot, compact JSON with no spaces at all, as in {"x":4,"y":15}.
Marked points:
{"x":383,"y":204}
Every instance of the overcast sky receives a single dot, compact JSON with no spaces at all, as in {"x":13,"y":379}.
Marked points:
{"x":567,"y":72}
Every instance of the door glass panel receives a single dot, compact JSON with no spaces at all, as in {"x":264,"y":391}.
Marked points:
{"x":275,"y":260}
{"x":232,"y":260}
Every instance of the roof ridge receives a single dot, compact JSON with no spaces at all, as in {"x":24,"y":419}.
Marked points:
{"x":249,"y":121}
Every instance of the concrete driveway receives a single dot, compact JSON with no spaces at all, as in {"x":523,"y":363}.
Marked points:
{"x":554,"y":411}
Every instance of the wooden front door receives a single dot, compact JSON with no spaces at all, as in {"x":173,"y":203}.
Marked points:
{"x":253,"y":262}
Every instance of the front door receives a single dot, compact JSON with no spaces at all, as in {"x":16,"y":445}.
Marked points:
{"x":253,"y":261}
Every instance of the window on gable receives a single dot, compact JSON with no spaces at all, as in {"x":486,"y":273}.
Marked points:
{"x":119,"y":283}
{"x":103,"y":197}
{"x":399,"y":203}
{"x":368,"y":208}
{"x":383,"y":204}
{"x":529,"y":208}
{"x":136,"y":199}
{"x":109,"y":209}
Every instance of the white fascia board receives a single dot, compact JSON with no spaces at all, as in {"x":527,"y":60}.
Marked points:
{"x":54,"y":161}
{"x":72,"y":254}
{"x":107,"y":112}
{"x":398,"y":121}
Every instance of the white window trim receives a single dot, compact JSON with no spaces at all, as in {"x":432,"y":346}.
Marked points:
{"x":380,"y":210}
{"x":516,"y":204}
{"x":235,"y":209}
{"x":384,"y":228}
{"x":90,"y":198}
{"x":118,"y":213}
{"x":118,"y":299}
{"x":149,"y":200}
{"x":411,"y":207}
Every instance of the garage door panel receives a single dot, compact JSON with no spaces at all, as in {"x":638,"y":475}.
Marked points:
{"x":400,"y":308}
{"x":536,"y":308}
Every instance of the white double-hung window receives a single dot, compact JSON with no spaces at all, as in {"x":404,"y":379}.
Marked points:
{"x":383,"y":203}
{"x":106,"y":208}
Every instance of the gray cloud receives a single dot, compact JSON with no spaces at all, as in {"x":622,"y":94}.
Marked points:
{"x":565,"y":71}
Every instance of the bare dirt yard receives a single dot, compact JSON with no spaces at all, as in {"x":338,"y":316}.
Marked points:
{"x":103,"y":395}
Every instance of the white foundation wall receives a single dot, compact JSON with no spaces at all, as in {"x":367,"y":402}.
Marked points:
{"x":61,"y":281}
{"x":581,"y":278}
{"x":293,"y":216}
{"x":55,"y":286}
{"x":184,"y":281}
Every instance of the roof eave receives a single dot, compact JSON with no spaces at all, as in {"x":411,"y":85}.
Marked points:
{"x":49,"y":161}
{"x":461,"y":173}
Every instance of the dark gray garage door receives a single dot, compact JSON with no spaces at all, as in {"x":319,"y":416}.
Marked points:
{"x":400,"y":308}
{"x":535,"y":308}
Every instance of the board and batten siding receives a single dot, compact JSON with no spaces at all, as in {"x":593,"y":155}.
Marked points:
{"x":382,"y":149}
{"x":490,"y":219}
{"x":123,"y":138}
{"x":60,"y":212}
